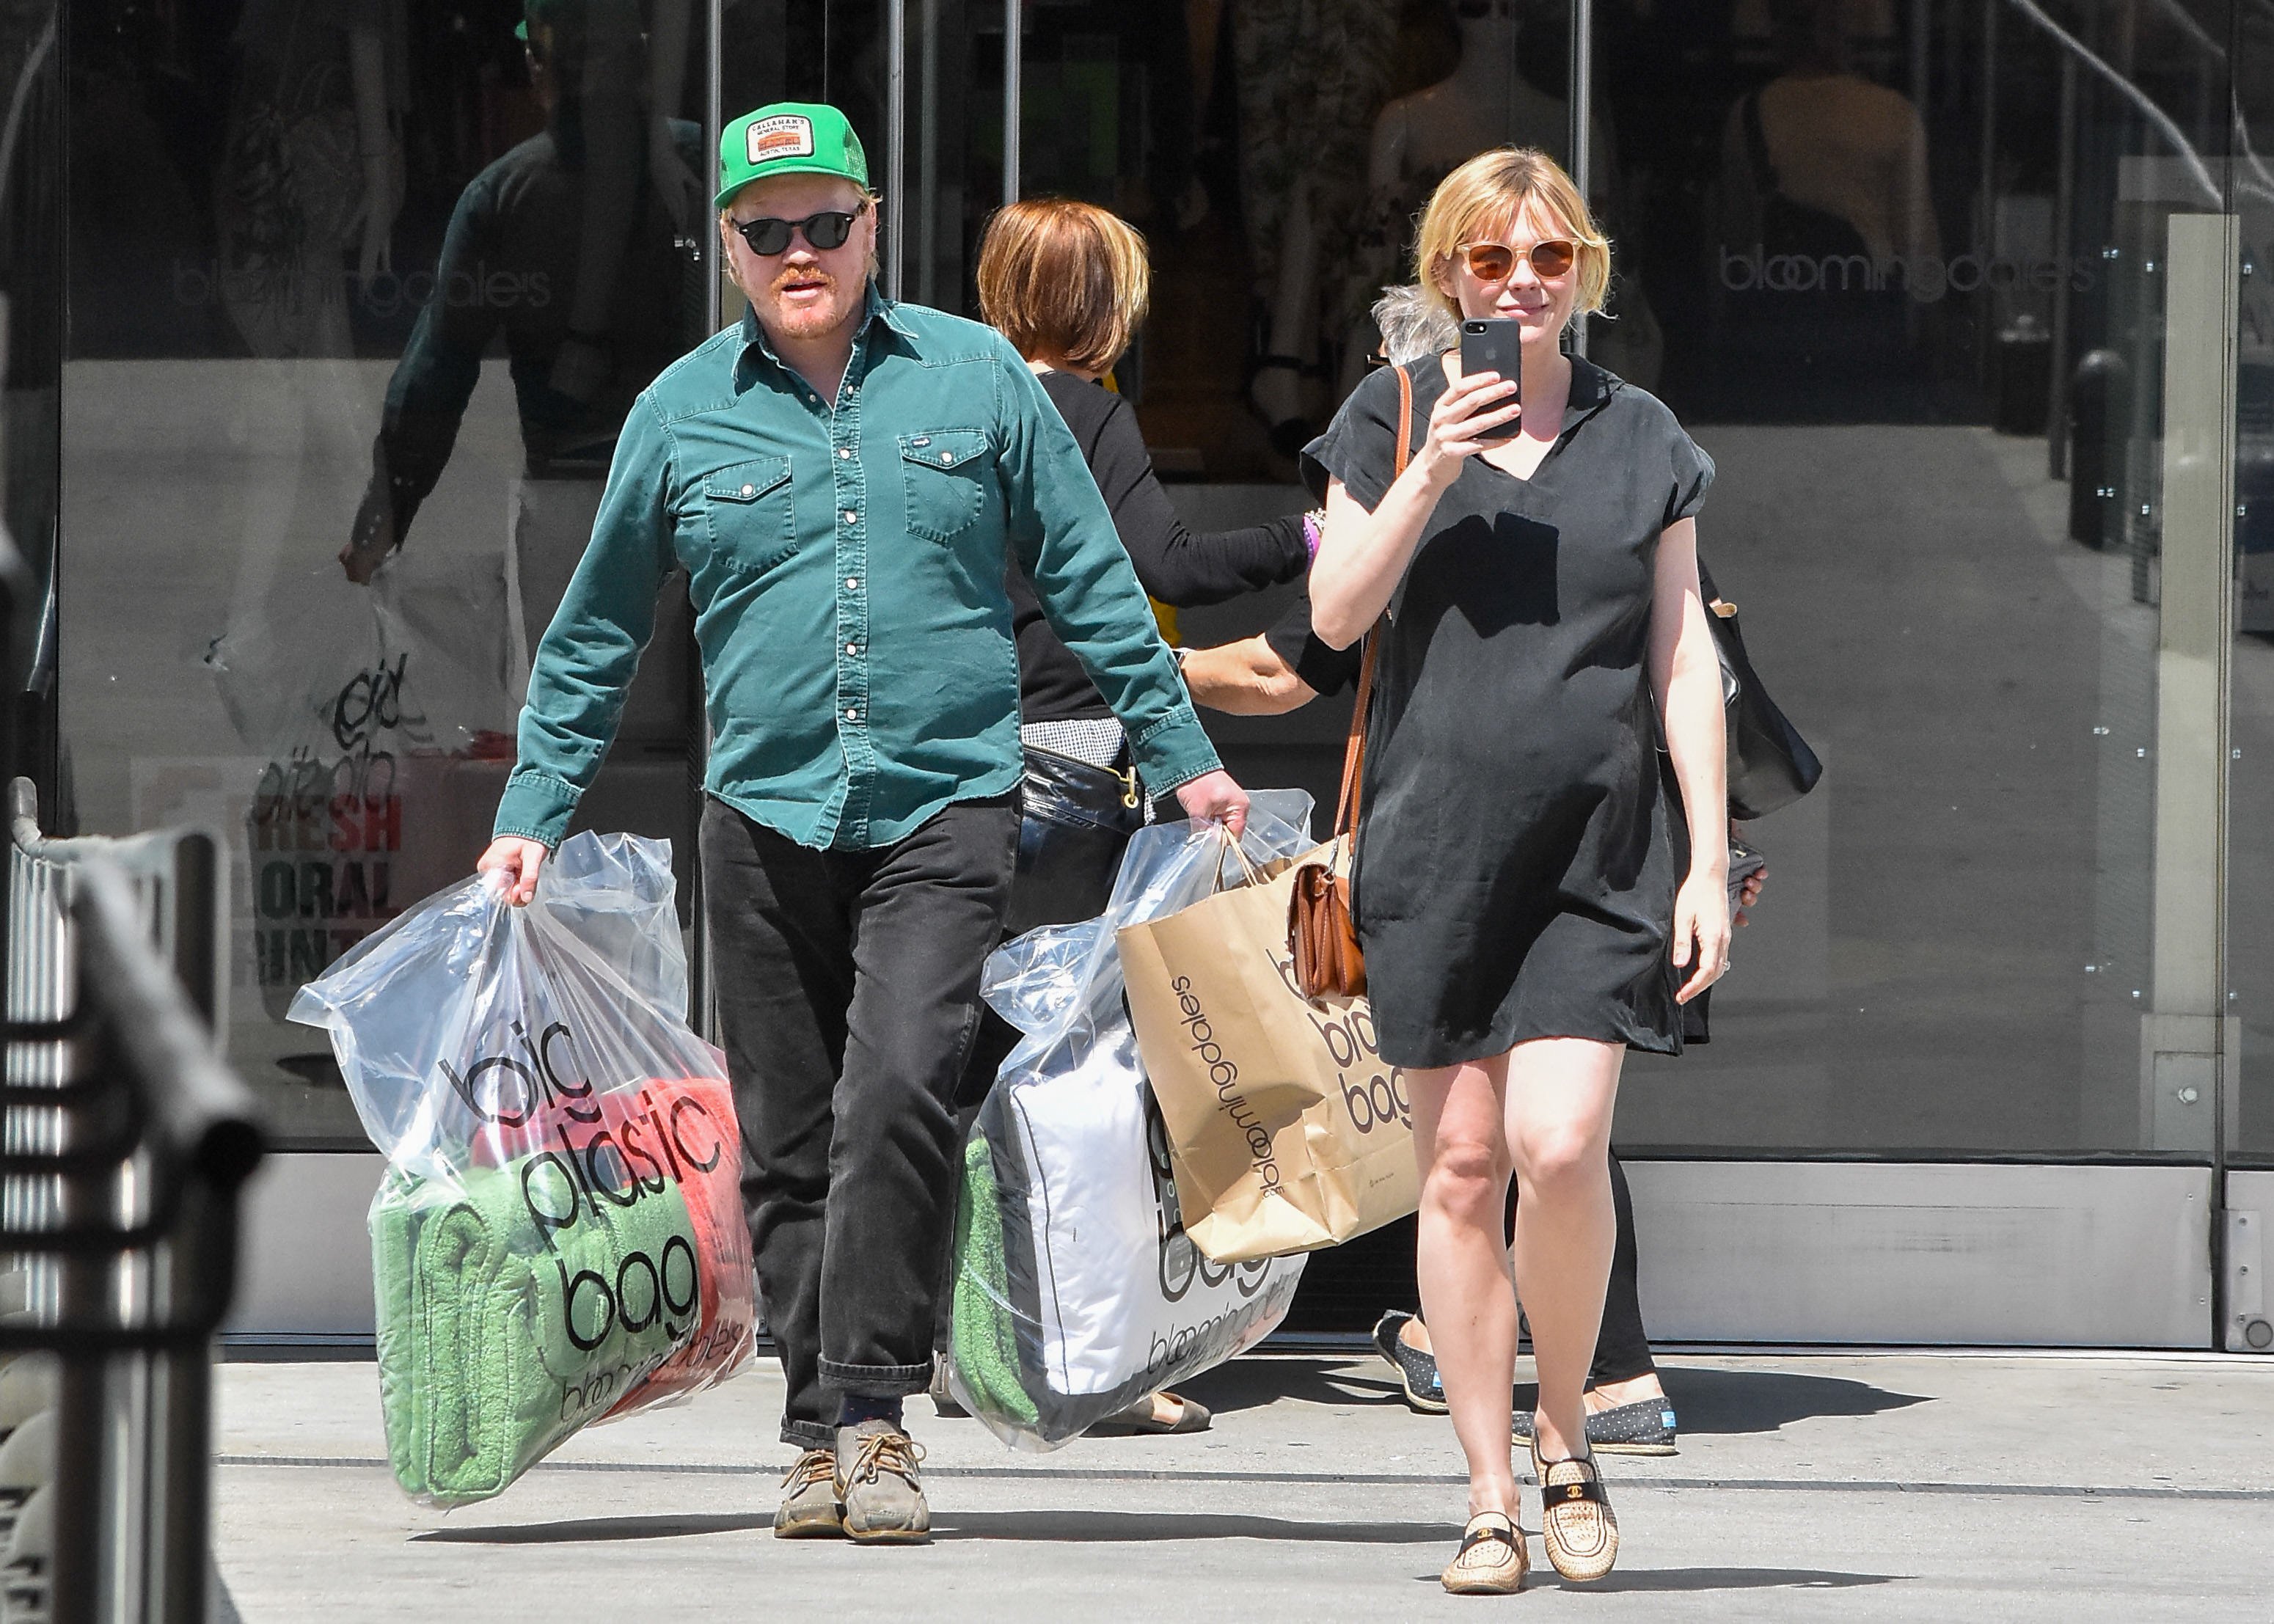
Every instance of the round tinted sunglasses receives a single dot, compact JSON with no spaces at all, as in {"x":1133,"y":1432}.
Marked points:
{"x":1496,"y":261}
{"x":825,"y":231}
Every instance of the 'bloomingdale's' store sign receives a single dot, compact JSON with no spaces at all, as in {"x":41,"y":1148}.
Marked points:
{"x":1925,"y":277}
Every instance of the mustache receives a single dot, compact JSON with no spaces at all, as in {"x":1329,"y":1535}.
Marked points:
{"x":808,"y":274}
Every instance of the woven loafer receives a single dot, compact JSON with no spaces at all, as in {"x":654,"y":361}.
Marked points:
{"x":1492,"y":1560}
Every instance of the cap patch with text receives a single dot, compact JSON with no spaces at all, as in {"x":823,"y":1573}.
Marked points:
{"x":784,"y":135}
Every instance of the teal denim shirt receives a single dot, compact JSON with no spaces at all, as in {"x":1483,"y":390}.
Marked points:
{"x":847,"y":570}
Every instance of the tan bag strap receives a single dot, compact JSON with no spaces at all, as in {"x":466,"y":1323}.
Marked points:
{"x":1346,"y":801}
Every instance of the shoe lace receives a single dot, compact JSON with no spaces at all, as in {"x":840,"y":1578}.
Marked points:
{"x":891,"y":1452}
{"x":815,"y":1466}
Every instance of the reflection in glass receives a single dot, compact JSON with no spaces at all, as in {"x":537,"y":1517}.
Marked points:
{"x":1907,"y":264}
{"x":343,"y":387}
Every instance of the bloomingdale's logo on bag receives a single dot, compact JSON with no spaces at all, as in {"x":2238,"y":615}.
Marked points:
{"x":1224,"y":1076}
{"x":1378,"y":1096}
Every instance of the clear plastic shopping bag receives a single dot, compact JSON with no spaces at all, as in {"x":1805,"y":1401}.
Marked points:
{"x":1076,"y":1291}
{"x":559,"y":1236}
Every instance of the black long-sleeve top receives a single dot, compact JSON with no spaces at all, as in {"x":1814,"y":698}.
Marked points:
{"x":1175,"y":564}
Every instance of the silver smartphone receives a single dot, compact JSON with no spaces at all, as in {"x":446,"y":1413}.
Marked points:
{"x":1494,"y":344}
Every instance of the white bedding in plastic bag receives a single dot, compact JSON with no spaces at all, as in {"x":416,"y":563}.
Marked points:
{"x":1076,"y":1290}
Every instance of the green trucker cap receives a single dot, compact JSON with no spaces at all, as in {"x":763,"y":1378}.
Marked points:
{"x":788,"y":138}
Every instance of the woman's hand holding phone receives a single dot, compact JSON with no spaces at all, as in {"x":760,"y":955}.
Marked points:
{"x":1465,"y":421}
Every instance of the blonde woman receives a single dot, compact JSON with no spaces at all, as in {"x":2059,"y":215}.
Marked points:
{"x":1526,"y":913}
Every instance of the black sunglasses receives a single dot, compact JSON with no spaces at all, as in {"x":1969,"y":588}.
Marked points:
{"x":824,"y":231}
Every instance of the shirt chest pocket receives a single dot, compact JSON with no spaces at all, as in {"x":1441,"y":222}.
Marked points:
{"x":946,"y":473}
{"x":747,"y":516}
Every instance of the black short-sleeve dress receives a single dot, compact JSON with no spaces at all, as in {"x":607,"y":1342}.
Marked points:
{"x":1517,"y":858}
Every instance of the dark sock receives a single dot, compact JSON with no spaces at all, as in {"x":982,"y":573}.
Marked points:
{"x":854,"y":1408}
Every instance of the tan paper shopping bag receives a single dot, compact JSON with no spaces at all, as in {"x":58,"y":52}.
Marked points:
{"x":1286,"y":1131}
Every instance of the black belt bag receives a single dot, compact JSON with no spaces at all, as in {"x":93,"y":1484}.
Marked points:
{"x":1075,"y":819}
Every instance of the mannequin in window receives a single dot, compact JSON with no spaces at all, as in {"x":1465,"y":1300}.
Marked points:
{"x":1311,"y":75}
{"x":1506,"y":90}
{"x":312,"y":170}
{"x":1821,"y":161}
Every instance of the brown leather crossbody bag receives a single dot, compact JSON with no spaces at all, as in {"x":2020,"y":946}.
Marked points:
{"x":1322,"y":935}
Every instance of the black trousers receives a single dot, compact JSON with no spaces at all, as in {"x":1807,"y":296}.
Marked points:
{"x":848,"y":995}
{"x":1622,"y":1349}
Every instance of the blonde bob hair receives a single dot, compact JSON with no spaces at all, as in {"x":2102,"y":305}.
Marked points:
{"x":1064,"y":281}
{"x":1495,"y":187}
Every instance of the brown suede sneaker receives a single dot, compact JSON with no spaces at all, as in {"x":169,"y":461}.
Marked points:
{"x":877,"y":1487}
{"x":809,"y":1509}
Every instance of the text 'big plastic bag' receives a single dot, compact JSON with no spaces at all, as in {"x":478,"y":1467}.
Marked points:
{"x":1076,"y":1291}
{"x":559,"y":1236}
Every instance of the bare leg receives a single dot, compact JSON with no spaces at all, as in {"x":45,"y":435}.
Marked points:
{"x":1611,"y":1394}
{"x":1559,"y":1093}
{"x":1460,"y":1141}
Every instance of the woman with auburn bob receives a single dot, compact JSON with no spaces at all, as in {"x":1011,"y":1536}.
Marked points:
{"x":1066,"y":282}
{"x":1529,"y":906}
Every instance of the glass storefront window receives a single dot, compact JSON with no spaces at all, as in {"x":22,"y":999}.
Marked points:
{"x":2250,"y":851}
{"x":31,"y":282}
{"x":347,"y":274}
{"x":344,"y":276}
{"x":1905,"y":271}
{"x":1915,"y":267}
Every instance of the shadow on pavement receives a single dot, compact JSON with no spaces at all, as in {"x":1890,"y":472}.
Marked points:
{"x":1725,"y":1400}
{"x":1149,"y":1527}
{"x":1672,"y":1579}
{"x":579,"y":1529}
{"x":1708,"y":1401}
{"x":1762,"y":1401}
{"x":1737,"y":1579}
{"x":1250,"y":1384}
{"x":1077,"y":1527}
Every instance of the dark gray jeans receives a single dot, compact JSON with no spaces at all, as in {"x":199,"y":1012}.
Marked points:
{"x":848,"y":994}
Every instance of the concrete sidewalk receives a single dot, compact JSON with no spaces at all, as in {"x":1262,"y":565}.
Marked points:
{"x":1863,"y":1487}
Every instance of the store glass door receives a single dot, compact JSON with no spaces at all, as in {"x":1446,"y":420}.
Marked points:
{"x":1950,"y":291}
{"x":1955,"y":292}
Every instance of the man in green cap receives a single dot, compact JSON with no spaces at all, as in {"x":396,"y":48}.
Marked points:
{"x":844,"y":479}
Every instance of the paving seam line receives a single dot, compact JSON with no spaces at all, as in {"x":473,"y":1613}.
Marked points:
{"x":1305,"y":1479}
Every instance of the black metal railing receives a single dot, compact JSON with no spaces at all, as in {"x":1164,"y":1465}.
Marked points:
{"x":124,"y":1143}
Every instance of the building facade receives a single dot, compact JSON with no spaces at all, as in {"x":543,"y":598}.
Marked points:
{"x":1964,"y":296}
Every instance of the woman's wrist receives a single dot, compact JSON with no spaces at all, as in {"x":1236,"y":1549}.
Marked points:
{"x":1437,"y":469}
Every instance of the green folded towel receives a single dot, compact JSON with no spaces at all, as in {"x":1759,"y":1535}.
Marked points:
{"x":487,"y":1286}
{"x":984,"y":1337}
